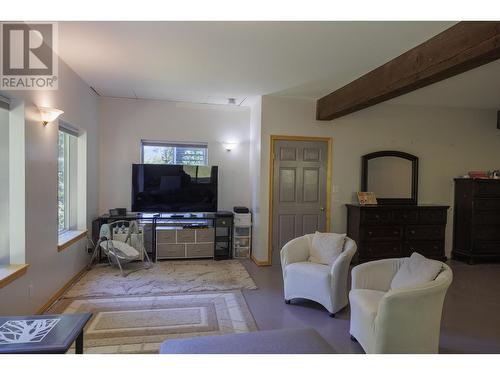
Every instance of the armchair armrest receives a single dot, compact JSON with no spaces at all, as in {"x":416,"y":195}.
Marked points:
{"x":296,"y":250}
{"x":376,"y":275}
{"x":339,"y":275}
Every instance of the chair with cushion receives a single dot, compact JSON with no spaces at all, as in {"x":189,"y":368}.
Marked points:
{"x":396,"y":304}
{"x":316,"y":267}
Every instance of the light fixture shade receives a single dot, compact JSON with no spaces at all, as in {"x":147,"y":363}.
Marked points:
{"x":229,"y":145}
{"x":49,"y":114}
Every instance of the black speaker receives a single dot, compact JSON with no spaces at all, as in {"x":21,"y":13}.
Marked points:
{"x":241,"y":210}
{"x":118,"y":212}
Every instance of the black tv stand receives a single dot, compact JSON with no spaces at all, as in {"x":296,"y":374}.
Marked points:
{"x":177,"y":216}
{"x":220,"y":222}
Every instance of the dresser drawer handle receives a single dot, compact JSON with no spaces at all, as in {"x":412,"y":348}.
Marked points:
{"x":412,"y":232}
{"x":377,"y":216}
{"x":395,"y":248}
{"x":396,"y":232}
{"x":370,"y":233}
{"x":405,"y":216}
{"x":435,"y":247}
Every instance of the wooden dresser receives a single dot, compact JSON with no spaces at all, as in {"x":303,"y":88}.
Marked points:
{"x":392,"y":231}
{"x":476,"y":224}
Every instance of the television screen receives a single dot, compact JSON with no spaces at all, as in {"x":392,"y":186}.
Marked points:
{"x":174,"y":188}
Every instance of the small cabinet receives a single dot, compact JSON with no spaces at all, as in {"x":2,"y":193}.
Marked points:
{"x":242,"y":235}
{"x":174,"y":242}
{"x":223,"y":236}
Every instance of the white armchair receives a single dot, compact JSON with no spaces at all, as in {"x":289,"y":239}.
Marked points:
{"x":400,"y":320}
{"x":324,"y":284}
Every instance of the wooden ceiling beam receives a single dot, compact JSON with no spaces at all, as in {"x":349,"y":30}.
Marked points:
{"x":462,"y":47}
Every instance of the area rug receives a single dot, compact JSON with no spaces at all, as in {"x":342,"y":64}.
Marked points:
{"x":139,"y":324}
{"x":164,"y":277}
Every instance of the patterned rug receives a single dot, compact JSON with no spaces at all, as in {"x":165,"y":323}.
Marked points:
{"x":163,"y":278}
{"x":139,"y":324}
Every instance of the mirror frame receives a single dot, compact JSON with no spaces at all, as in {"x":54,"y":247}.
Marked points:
{"x":414,"y":178}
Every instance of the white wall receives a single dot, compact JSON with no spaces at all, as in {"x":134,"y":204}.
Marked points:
{"x":4,"y":186}
{"x":449,"y":143}
{"x":49,"y":269}
{"x":255,"y":105}
{"x":124,"y":122}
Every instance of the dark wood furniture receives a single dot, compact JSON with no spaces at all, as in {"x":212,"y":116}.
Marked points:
{"x":476,"y":224}
{"x":412,"y":197}
{"x":18,"y":335}
{"x":393,"y":231}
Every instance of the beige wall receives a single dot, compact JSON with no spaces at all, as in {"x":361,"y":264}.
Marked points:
{"x":124,"y":122}
{"x":449,"y":142}
{"x":49,"y":269}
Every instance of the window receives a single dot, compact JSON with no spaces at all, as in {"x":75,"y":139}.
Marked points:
{"x":67,"y":184}
{"x":174,"y":153}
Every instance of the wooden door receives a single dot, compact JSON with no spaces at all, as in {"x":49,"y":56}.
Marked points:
{"x":299,"y":189}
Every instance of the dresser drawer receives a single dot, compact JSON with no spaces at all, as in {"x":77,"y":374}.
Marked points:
{"x":428,"y":249}
{"x":487,"y":232}
{"x":171,"y":250}
{"x":185,"y":235}
{"x":379,"y":250}
{"x":425,"y":232}
{"x":432,"y":216}
{"x":490,"y":217}
{"x":382,"y":233}
{"x":165,"y":236}
{"x":487,"y":247}
{"x":201,"y":250}
{"x":205,"y":235}
{"x":376,"y":216}
{"x":486,"y":204}
{"x":405,"y":216}
{"x":487,"y":188}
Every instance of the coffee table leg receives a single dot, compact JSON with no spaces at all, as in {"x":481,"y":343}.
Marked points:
{"x":79,"y":343}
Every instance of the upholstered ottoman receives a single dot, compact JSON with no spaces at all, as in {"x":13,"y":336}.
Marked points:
{"x":283,"y":341}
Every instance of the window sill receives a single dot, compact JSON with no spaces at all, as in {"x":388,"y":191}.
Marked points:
{"x":10,"y":272}
{"x":68,"y":238}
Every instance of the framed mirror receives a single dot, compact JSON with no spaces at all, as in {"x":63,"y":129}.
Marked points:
{"x":391,"y":175}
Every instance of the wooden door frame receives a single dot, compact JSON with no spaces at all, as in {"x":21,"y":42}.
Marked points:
{"x":329,"y":141}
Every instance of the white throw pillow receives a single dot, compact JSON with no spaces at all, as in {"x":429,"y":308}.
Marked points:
{"x":414,"y":271}
{"x":326,"y":247}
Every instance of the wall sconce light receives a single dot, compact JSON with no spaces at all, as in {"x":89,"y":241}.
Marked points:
{"x":229,"y":145}
{"x":49,"y":114}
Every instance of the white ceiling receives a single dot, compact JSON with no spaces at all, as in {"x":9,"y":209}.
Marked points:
{"x":212,"y":61}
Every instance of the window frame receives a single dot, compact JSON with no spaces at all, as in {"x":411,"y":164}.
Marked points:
{"x":71,"y":136}
{"x":66,"y":182}
{"x":199,"y":145}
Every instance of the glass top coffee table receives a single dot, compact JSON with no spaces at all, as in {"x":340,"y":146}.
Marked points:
{"x":44,"y":334}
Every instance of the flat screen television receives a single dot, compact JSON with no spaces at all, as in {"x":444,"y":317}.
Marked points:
{"x":174,"y":188}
